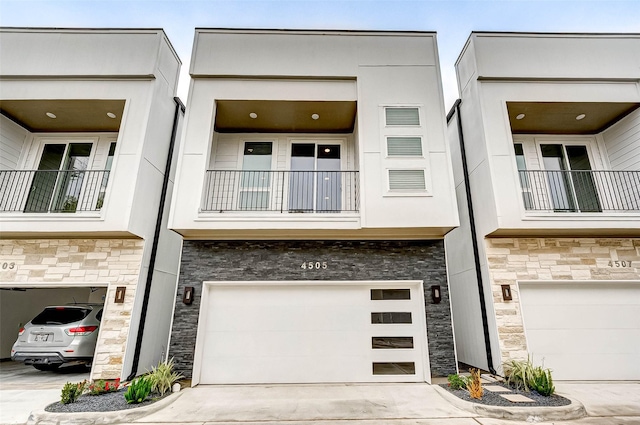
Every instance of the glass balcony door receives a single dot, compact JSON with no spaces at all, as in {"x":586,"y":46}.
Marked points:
{"x":57,"y":185}
{"x":315,"y":183}
{"x":570,"y":181}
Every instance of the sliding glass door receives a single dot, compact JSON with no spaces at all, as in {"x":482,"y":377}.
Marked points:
{"x":569,"y":178}
{"x":57,"y":184}
{"x":315,"y":184}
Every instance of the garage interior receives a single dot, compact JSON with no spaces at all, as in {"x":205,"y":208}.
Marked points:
{"x":18,"y":305}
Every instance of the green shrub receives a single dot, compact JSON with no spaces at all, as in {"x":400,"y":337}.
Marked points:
{"x":138,"y":391}
{"x":163,"y":377}
{"x":542,"y":382}
{"x":457,"y":382}
{"x":71,"y":392}
{"x":523,"y":375}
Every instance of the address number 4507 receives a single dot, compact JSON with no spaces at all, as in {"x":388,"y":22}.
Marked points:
{"x":311,"y":265}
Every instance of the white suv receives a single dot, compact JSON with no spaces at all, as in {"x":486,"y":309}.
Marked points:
{"x":59,"y":334}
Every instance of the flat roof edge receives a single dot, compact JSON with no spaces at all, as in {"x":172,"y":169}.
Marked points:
{"x":311,"y":31}
{"x":556,"y":34}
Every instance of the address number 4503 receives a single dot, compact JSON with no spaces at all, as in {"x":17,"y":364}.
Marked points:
{"x":314,"y":265}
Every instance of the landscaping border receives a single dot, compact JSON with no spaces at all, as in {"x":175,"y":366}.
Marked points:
{"x":42,"y":417}
{"x":575,"y":410}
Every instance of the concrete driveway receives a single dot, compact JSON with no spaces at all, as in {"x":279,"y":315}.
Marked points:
{"x":318,"y":404}
{"x":611,"y":403}
{"x":23,"y":389}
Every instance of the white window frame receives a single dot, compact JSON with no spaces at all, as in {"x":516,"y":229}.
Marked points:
{"x":405,"y":162}
{"x":386,"y":147}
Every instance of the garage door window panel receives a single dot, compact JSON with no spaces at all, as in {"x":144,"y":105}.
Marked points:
{"x":391,"y":342}
{"x":390,"y":368}
{"x":391,"y":317}
{"x":390,"y":294}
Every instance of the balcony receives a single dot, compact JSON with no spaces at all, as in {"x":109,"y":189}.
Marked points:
{"x":44,"y":191}
{"x":581,"y":191}
{"x":281,"y":191}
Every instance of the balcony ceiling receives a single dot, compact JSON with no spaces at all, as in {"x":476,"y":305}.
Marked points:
{"x":275,"y":116}
{"x":560,"y":117}
{"x":70,"y":115}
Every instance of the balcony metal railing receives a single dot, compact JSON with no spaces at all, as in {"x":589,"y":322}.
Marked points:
{"x":45,"y":191}
{"x":580,"y":191}
{"x":281,"y":191}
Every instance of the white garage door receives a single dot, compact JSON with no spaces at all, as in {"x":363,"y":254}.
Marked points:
{"x":312,"y":332}
{"x":586,"y":331}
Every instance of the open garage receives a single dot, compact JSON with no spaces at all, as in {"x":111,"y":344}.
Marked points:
{"x":584,"y":330}
{"x":20,"y":304}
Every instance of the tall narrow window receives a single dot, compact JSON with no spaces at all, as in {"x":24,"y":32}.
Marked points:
{"x":255,"y":182}
{"x":525,"y":183}
{"x":105,"y":176}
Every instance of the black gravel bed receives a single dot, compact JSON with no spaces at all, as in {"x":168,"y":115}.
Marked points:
{"x":494,"y":399}
{"x":108,"y":402}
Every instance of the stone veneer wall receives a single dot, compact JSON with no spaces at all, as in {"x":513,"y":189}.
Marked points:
{"x":513,"y":259}
{"x":82,"y":262}
{"x":281,"y":260}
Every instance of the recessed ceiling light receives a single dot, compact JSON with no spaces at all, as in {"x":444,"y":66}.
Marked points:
{"x":520,"y":116}
{"x":327,"y":150}
{"x":51,"y":115}
{"x":315,"y":116}
{"x":111,"y":115}
{"x":580,"y":117}
{"x":253,"y":115}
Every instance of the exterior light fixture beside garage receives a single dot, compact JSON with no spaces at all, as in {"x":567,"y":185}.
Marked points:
{"x":436,"y":295}
{"x":506,"y":293}
{"x":120,"y":291}
{"x":187,"y":297}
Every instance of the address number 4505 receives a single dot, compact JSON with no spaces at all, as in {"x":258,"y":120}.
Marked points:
{"x":314,"y":265}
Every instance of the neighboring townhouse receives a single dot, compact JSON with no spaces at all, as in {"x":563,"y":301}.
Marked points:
{"x":313,"y":193}
{"x":546,"y":140}
{"x":87,"y":123}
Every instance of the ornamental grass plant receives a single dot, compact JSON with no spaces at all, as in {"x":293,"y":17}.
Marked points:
{"x":163,"y":377}
{"x":523,"y":375}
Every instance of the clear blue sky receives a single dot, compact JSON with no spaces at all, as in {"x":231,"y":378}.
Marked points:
{"x":453,"y":20}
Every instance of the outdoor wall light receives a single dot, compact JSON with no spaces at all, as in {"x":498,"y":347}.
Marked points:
{"x":506,"y":292}
{"x":187,"y":297}
{"x":436,"y":295}
{"x":120,"y":291}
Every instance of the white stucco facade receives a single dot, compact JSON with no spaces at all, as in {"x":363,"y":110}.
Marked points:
{"x":374,"y":70}
{"x":548,"y":120}
{"x":98,"y":177}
